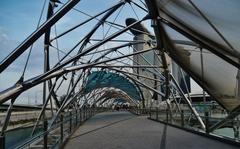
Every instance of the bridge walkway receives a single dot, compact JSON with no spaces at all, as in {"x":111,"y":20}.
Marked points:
{"x":123,"y":130}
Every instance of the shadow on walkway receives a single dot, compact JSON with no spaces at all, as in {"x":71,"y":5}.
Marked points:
{"x":123,"y":130}
{"x":164,"y":138}
{"x":100,"y":128}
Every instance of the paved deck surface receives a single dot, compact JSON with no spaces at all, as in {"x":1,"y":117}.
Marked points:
{"x":123,"y":130}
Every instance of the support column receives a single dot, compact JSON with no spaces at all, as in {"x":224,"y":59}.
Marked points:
{"x":2,"y":142}
{"x":80,"y":111}
{"x":61,"y":127}
{"x":45,"y":137}
{"x":76,"y":116}
{"x":182,"y":118}
{"x":70,"y":122}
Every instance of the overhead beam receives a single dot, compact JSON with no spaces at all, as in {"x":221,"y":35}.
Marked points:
{"x":86,"y":21}
{"x":130,"y":66}
{"x":146,"y":86}
{"x":37,"y":34}
{"x":58,"y":70}
{"x":141,"y":76}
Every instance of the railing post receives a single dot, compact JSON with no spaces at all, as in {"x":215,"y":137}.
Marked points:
{"x":150,"y":112}
{"x":45,"y":137}
{"x":76,"y":123}
{"x":2,"y":142}
{"x":89,"y":110}
{"x":89,"y":113}
{"x":84,"y":114}
{"x":207,"y":121}
{"x":61,"y":127}
{"x":70,"y":121}
{"x":80,"y":111}
{"x":156,"y":113}
{"x":167,"y":115}
{"x":182,"y":118}
{"x":78,"y":117}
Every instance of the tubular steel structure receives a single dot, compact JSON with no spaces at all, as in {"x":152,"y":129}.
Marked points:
{"x":110,"y":45}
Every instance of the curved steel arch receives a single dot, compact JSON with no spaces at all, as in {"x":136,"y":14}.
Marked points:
{"x":109,"y":94}
{"x":138,"y":87}
{"x":99,"y":79}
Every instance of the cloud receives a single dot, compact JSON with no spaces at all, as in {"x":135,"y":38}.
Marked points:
{"x":3,"y":35}
{"x":64,"y":23}
{"x":6,"y":44}
{"x":10,"y":75}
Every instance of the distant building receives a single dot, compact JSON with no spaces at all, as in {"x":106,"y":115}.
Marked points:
{"x":180,"y":75}
{"x":151,"y":57}
{"x":147,"y":59}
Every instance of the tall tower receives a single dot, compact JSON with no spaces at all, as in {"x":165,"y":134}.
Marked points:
{"x":148,"y":58}
{"x":180,"y":75}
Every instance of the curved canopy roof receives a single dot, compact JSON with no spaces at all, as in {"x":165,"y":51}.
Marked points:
{"x":214,"y":25}
{"x":114,"y":94}
{"x":101,"y":79}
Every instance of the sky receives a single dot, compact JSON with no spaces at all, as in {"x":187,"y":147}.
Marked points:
{"x":19,"y":18}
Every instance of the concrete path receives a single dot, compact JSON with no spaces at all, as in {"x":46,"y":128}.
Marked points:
{"x":123,"y":130}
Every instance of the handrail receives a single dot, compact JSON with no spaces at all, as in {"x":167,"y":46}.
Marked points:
{"x":85,"y":114}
